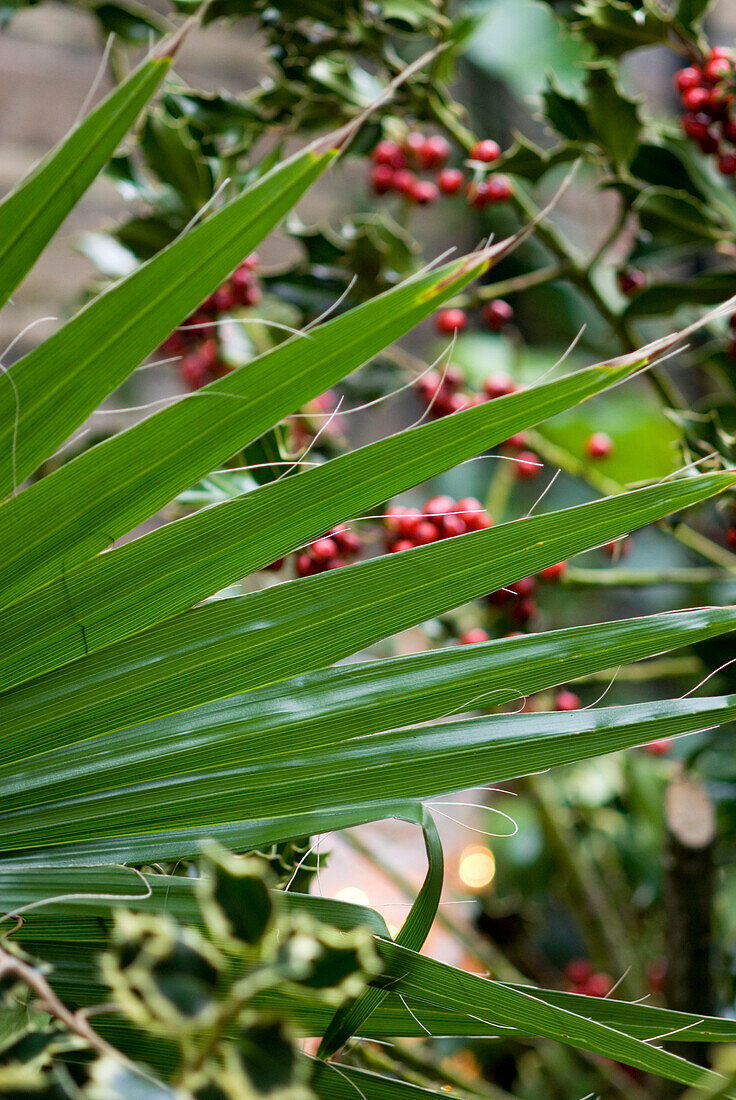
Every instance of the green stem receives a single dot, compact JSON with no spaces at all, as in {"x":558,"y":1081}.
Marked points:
{"x":600,"y":921}
{"x":557,"y":456}
{"x":514,"y":285}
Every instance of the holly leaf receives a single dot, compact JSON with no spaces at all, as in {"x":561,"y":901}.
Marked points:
{"x":131,"y":22}
{"x":614,"y":118}
{"x":678,"y":216}
{"x":616,"y":26}
{"x":662,"y":298}
{"x":528,"y":160}
{"x":565,"y":115}
{"x":662,"y":167}
{"x":173,"y":156}
{"x":690,"y":12}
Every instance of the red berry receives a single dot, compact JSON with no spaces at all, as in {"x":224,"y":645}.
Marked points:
{"x":424,"y":192}
{"x":347,"y":541}
{"x":552,"y":572}
{"x":488,"y":191}
{"x":402,"y":544}
{"x":527,"y":465}
{"x":578,"y":971}
{"x":248,"y":295}
{"x":694,"y":99}
{"x":727,"y":164}
{"x":323,"y":549}
{"x":242,"y":277}
{"x":473,"y":514}
{"x":731,"y":537}
{"x":208,"y":352}
{"x":499,"y":189}
{"x":225,"y":298}
{"x":194,"y":371}
{"x":523,"y":610}
{"x":449,"y":321}
{"x":408,"y":523}
{"x":630,"y":281}
{"x":450,"y":181}
{"x":486,"y":151}
{"x":716,"y":69}
{"x":305,"y":566}
{"x":709,"y":143}
{"x":519,"y":440}
{"x":567,"y":700}
{"x":695,"y":126}
{"x":599,"y":445}
{"x":497,"y":314}
{"x":454,"y":377}
{"x":383,"y":178}
{"x":174,"y":345}
{"x":658,"y":748}
{"x":499,"y":384}
{"x":729,"y":130}
{"x":687,"y":78}
{"x":598,"y":985}
{"x":425,"y":532}
{"x":456,"y":402}
{"x":434,"y":152}
{"x":414,"y":146}
{"x":452,"y":526}
{"x":275,"y":565}
{"x":524,"y":587}
{"x":404,"y":181}
{"x":439,"y":506}
{"x":472,"y":637}
{"x":389,"y":154}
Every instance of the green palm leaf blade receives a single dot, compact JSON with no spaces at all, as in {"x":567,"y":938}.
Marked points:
{"x":331,"y":1082}
{"x":443,"y":985}
{"x":51,"y":390}
{"x":319,"y":790}
{"x":229,"y":646}
{"x":82,"y":914}
{"x":107,"y":490}
{"x":34,"y":210}
{"x":65,"y":933}
{"x":340,"y":704}
{"x":181,"y":563}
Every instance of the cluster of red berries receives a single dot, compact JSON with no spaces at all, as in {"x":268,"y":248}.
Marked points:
{"x":445,"y":393}
{"x":516,"y":600}
{"x":395,"y":167}
{"x":582,"y":978}
{"x":708,"y":93}
{"x":440,"y":518}
{"x":328,"y":552}
{"x":496,"y":315}
{"x":197,"y":341}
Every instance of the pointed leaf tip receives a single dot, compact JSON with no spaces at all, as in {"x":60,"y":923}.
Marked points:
{"x":168,"y":49}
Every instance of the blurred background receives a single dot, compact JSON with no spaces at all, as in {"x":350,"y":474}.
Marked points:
{"x":577,"y":897}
